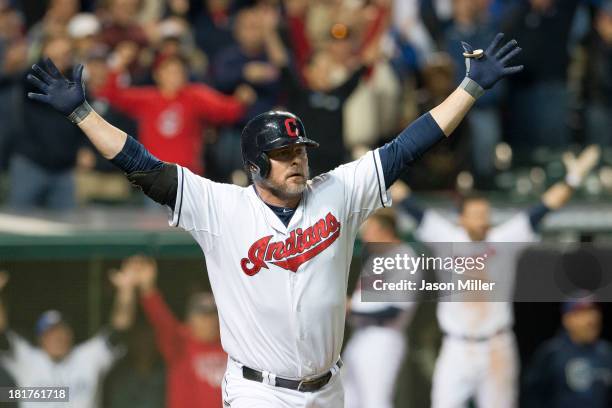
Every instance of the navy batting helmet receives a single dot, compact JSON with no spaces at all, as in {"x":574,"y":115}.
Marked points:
{"x":268,"y":131}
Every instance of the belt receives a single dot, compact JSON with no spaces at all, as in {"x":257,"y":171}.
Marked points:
{"x":478,"y":339}
{"x":310,"y":385}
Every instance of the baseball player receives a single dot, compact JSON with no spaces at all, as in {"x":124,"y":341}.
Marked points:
{"x":377,"y":347}
{"x":59,"y":363}
{"x":278,"y":251}
{"x":478,"y":358}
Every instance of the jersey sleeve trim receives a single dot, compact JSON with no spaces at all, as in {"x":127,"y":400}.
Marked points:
{"x":385,"y":199}
{"x":176,"y":214}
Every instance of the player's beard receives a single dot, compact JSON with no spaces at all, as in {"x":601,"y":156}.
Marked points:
{"x":285,"y":190}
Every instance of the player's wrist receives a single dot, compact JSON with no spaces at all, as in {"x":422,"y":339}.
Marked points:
{"x":472,"y":87}
{"x":147,"y":289}
{"x":80,"y":113}
{"x":573,"y":180}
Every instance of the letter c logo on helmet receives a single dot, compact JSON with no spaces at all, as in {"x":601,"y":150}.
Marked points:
{"x":292,"y":127}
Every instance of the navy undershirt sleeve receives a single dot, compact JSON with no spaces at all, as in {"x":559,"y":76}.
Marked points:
{"x":408,"y":146}
{"x":135,"y":157}
{"x":536,"y":214}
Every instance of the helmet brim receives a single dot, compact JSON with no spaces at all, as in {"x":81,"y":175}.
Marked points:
{"x":282,"y":142}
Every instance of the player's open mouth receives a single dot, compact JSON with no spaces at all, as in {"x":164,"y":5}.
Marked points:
{"x":296,"y":175}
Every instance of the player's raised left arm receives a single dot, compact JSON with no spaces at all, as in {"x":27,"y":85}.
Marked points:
{"x":577,"y":168}
{"x":124,"y":307}
{"x":483,"y":70}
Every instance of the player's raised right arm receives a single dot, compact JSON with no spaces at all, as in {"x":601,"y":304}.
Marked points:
{"x":157,"y":179}
{"x":68,"y":97}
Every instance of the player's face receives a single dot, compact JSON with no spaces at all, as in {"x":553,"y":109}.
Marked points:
{"x":604,"y":26}
{"x":288,"y":171}
{"x":475,"y":218}
{"x":372,"y":231}
{"x":60,"y":51}
{"x":171,"y":76}
{"x":248,"y":30}
{"x":583,"y":325}
{"x":57,"y":341}
{"x":204,"y":326}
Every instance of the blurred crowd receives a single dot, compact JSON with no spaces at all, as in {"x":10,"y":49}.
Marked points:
{"x":184,"y":76}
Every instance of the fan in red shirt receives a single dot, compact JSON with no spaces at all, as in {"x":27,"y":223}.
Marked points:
{"x":192,"y":350}
{"x":171,"y":115}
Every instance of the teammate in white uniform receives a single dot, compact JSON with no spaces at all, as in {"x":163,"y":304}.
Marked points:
{"x":278,"y":251}
{"x":377,"y":348}
{"x":478,"y":358}
{"x":57,"y":363}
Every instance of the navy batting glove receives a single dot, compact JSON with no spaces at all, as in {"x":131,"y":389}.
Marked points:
{"x":66,"y":96}
{"x":485,"y":68}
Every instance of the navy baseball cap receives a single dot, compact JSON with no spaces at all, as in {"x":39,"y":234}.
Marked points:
{"x":47,"y":320}
{"x":579,"y":303}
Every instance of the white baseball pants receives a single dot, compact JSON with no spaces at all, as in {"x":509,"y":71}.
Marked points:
{"x":486,"y":370}
{"x":372,"y":361}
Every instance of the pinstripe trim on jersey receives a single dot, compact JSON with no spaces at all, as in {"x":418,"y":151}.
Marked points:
{"x":380,"y":179}
{"x":178,"y":205}
{"x":178,"y":220}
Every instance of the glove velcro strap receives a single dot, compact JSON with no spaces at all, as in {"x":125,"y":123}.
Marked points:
{"x":472,"y":87}
{"x":80,"y":113}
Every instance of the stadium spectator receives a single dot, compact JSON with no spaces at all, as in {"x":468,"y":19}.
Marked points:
{"x":57,"y":361}
{"x":248,"y":62}
{"x":45,"y":145}
{"x":472,"y":24}
{"x":573,"y":369}
{"x":194,"y":357}
{"x":318,"y":101}
{"x":13,"y":61}
{"x":409,"y":25}
{"x":120,"y":25}
{"x":213,"y":27}
{"x":598,"y":78}
{"x":536,"y":25}
{"x":245,"y":62}
{"x":98,"y":73}
{"x":54,"y":23}
{"x":84,"y":29}
{"x":171,"y":115}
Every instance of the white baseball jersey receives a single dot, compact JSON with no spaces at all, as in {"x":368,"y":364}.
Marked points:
{"x":280,"y":290}
{"x":365,"y":308}
{"x":478,"y":319}
{"x":82,"y":370}
{"x":374,"y":354}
